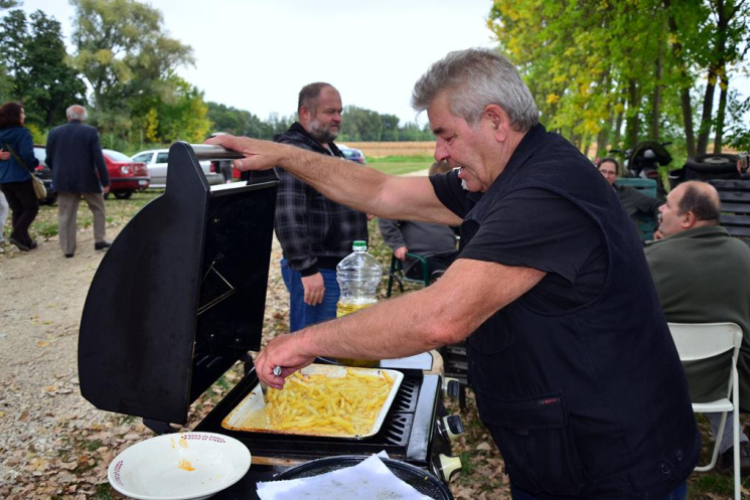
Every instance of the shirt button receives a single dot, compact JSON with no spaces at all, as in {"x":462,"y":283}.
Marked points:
{"x":665,"y":468}
{"x":679,"y":455}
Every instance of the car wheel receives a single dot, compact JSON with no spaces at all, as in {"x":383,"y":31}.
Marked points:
{"x":123,"y":195}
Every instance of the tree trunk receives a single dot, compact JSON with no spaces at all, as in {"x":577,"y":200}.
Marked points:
{"x":618,"y":128}
{"x":656,"y":104}
{"x":633,"y":112}
{"x":685,"y":104}
{"x":716,"y":69}
{"x":708,"y":104}
{"x":721,"y":113}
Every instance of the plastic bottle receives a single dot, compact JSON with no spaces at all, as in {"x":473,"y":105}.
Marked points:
{"x":359,"y":275}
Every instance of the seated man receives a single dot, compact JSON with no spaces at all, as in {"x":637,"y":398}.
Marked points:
{"x":701,"y":276}
{"x":435,"y":242}
{"x":632,"y":200}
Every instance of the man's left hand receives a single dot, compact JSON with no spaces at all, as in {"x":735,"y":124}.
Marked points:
{"x":4,"y":155}
{"x":284,"y":351}
{"x":105,"y":189}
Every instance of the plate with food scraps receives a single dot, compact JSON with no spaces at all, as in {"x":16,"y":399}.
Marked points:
{"x":320,"y":400}
{"x":190,"y":465}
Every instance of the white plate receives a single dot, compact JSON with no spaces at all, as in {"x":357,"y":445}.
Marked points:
{"x":159,"y":468}
{"x":254,"y":402}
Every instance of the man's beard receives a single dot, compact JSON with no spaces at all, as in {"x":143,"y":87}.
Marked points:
{"x":321,"y":133}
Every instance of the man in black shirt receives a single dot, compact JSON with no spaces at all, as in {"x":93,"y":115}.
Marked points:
{"x":570,"y":357}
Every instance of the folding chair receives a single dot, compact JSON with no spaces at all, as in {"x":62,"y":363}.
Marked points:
{"x":397,"y":273}
{"x":706,"y":340}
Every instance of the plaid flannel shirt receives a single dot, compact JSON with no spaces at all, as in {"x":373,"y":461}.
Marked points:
{"x":313,"y":230}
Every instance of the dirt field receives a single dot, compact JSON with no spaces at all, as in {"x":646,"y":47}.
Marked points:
{"x":382,"y":149}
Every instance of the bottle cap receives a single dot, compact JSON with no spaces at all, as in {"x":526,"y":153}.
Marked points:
{"x":359,"y":244}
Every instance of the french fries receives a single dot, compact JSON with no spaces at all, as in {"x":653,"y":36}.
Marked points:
{"x":318,"y":404}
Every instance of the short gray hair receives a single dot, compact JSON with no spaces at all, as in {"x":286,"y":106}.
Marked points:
{"x":475,"y":78}
{"x":308,"y":96}
{"x":76,"y":112}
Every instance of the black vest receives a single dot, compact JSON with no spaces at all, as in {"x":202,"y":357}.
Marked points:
{"x":591,"y":403}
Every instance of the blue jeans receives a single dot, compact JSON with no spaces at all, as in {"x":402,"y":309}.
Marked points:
{"x":301,"y":314}
{"x":679,"y":493}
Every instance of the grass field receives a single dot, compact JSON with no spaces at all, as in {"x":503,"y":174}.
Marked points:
{"x":400,"y":165}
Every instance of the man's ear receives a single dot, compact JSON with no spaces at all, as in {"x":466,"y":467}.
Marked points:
{"x":687,"y":219}
{"x":498,"y":119}
{"x":303,"y":114}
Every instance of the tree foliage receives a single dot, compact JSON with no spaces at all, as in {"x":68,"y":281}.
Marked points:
{"x":598,"y":67}
{"x":34,"y":70}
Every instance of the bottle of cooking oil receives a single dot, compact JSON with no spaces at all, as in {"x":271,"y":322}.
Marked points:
{"x":359,"y":275}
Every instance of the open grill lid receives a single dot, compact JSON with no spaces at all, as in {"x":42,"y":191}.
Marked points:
{"x":180,"y":295}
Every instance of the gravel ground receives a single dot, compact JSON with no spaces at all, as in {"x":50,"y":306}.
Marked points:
{"x":54,"y":443}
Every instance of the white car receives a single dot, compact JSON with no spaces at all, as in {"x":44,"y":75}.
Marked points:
{"x":156,"y":161}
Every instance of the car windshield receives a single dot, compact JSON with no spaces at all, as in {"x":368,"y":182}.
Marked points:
{"x":116,"y":155}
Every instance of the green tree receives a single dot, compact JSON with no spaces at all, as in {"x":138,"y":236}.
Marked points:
{"x":125,"y":55}
{"x":594,"y":65}
{"x":35,"y":69}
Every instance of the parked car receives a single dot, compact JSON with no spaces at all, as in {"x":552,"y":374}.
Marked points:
{"x":157,"y":159}
{"x":125,"y":175}
{"x":352,"y":154}
{"x":45,"y":175}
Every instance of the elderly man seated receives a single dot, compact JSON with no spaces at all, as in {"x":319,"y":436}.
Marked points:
{"x":702,"y":275}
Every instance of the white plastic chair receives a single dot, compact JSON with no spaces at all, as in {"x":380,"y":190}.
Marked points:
{"x":705,"y":340}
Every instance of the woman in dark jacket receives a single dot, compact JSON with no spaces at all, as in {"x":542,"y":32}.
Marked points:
{"x":16,"y":172}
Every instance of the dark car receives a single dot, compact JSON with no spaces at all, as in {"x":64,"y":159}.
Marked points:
{"x":125,"y":175}
{"x":45,"y":175}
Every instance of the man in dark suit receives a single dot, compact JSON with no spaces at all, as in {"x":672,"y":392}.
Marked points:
{"x":75,"y":157}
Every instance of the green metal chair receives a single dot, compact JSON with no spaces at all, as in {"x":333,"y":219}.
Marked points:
{"x":397,"y":273}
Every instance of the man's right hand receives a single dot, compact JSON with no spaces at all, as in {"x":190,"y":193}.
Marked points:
{"x":400,"y":253}
{"x":315,"y":289}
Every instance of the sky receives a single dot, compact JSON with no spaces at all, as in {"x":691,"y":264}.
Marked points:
{"x":256,"y":55}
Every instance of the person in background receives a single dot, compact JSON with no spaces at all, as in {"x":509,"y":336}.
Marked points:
{"x":17,"y":163}
{"x":315,"y":232}
{"x":74,"y":155}
{"x":633,"y":201}
{"x":702,"y":275}
{"x":584,"y":397}
{"x":435,"y":242}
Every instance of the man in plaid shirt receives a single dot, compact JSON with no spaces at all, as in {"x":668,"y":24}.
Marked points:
{"x":315,"y":233}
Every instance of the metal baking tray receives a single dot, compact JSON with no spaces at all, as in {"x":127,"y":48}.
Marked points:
{"x":254,"y":402}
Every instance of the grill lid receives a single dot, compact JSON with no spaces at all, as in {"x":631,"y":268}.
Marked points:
{"x":180,"y":295}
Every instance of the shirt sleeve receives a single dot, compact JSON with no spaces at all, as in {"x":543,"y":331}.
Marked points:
{"x":539,"y":229}
{"x":391,"y":233}
{"x":101,"y":166}
{"x":647,"y":204}
{"x":26,"y":150}
{"x":291,"y":227}
{"x":449,"y":191}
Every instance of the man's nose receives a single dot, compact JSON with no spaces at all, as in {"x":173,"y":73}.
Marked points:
{"x":441,"y":151}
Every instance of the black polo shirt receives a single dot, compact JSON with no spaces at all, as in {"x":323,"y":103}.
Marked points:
{"x":539,"y":229}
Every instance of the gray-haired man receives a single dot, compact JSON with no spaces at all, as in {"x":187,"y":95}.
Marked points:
{"x":584,"y":397}
{"x":74,"y":155}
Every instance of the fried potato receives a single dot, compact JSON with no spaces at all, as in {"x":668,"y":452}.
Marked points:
{"x":343,"y":406}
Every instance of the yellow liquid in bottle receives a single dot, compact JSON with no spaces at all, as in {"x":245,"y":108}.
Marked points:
{"x":342,"y":309}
